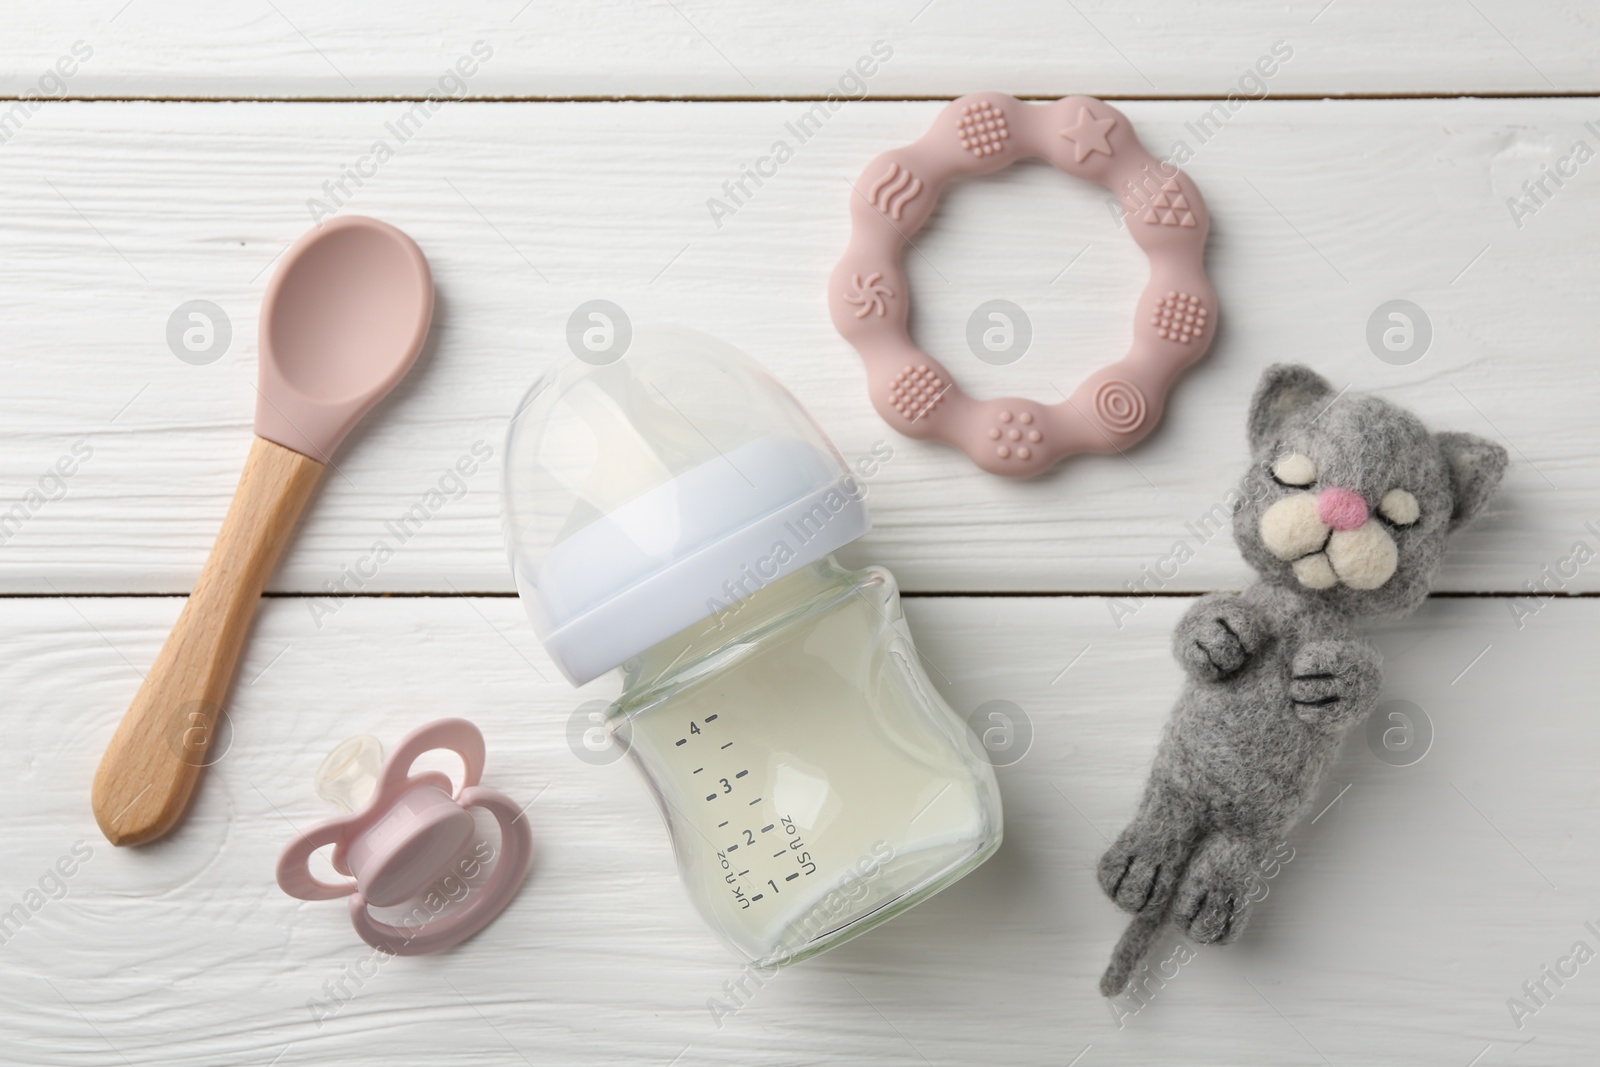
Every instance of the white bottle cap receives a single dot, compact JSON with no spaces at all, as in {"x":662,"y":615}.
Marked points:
{"x":647,"y":493}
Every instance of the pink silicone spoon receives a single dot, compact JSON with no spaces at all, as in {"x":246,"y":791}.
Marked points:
{"x":342,"y":321}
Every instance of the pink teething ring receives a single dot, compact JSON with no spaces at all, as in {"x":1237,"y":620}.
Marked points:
{"x":1114,"y":407}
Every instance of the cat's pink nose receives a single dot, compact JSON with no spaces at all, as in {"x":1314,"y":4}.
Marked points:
{"x":1341,"y":509}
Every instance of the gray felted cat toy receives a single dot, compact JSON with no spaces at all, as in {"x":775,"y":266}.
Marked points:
{"x":1344,"y":513}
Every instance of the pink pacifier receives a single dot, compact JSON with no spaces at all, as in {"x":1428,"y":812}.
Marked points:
{"x":411,"y":835}
{"x":1114,"y":407}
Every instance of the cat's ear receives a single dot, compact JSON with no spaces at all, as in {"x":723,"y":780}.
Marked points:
{"x":1284,"y":389}
{"x":1476,"y":467}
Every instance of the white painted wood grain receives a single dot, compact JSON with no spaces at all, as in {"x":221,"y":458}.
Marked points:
{"x":117,"y":213}
{"x":1415,"y":905}
{"x":1420,"y":900}
{"x":296,"y":48}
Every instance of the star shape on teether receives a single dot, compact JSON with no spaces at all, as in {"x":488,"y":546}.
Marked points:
{"x":1089,"y":135}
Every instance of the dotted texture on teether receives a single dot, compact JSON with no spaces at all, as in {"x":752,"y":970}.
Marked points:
{"x":916,"y":391}
{"x":1015,"y":435}
{"x":1179,"y":317}
{"x":982,"y":128}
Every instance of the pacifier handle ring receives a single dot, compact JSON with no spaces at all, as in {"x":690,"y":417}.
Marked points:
{"x":1117,"y":405}
{"x":294,"y":866}
{"x":457,"y":735}
{"x":516,"y":855}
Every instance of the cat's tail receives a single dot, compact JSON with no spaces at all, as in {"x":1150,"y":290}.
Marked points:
{"x":1135,"y":942}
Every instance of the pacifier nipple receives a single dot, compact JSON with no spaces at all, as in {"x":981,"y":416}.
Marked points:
{"x":348,"y":777}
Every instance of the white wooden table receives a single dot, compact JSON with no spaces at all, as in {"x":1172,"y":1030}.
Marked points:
{"x":177,"y":161}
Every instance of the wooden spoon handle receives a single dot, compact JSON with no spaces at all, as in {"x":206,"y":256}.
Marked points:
{"x":154,"y":760}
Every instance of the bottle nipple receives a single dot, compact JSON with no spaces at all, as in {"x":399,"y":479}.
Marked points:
{"x":348,"y":777}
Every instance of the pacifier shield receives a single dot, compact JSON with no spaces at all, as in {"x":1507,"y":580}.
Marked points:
{"x":410,"y":847}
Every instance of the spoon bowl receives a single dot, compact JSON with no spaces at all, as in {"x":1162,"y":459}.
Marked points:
{"x":342,"y":322}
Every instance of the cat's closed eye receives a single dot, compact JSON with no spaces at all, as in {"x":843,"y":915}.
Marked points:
{"x":1294,"y":469}
{"x":1399,"y":507}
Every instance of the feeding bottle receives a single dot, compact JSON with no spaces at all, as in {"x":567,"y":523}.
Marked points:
{"x":673,"y":513}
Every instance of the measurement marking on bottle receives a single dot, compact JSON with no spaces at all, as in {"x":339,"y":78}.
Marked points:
{"x":681,"y":741}
{"x":744,"y":872}
{"x":741,"y":774}
{"x":721,"y":824}
{"x":711,"y":796}
{"x":711,"y":718}
{"x":728,"y":745}
{"x":732,"y":847}
{"x":758,"y":896}
{"x":792,"y":877}
{"x":756,"y":801}
{"x":697,"y":770}
{"x":780,"y":852}
{"x":767,"y":827}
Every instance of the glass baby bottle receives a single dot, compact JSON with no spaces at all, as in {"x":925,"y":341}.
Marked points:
{"x":673,"y":513}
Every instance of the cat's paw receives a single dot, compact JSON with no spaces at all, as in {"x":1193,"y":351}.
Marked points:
{"x":1334,"y":682}
{"x":1213,"y":902}
{"x":1218,"y":637}
{"x":1139,"y":871}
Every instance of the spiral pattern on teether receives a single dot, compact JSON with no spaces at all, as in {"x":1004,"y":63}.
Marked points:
{"x":1119,"y":405}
